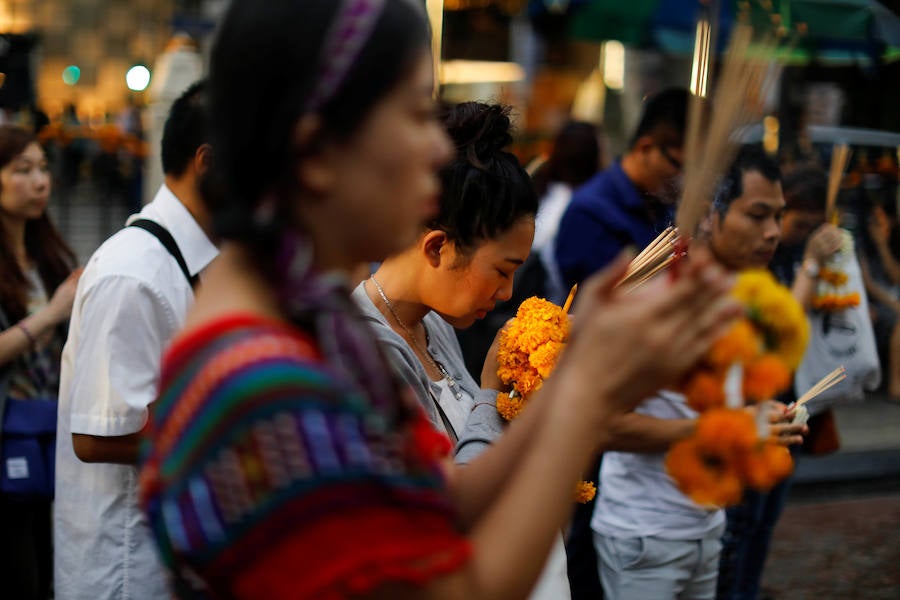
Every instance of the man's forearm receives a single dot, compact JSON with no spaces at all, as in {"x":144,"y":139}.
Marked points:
{"x":123,"y":449}
{"x":635,"y":432}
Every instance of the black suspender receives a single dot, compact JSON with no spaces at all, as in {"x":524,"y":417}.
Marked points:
{"x":166,"y":239}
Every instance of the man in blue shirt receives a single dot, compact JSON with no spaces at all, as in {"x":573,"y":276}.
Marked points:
{"x":628,"y":204}
{"x":633,"y":200}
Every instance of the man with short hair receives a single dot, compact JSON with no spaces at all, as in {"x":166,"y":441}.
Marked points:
{"x":652,"y":540}
{"x":806,"y":243}
{"x":132,"y":298}
{"x":628,"y":204}
{"x":632,"y":201}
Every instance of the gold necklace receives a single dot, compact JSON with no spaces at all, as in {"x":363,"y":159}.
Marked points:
{"x":454,"y":387}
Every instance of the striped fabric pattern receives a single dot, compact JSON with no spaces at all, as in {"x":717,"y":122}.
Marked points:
{"x":257,"y":445}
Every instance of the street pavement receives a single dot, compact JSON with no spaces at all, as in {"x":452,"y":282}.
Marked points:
{"x":839,"y":536}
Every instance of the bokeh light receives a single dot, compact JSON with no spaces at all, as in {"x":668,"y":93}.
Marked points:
{"x":137,"y":78}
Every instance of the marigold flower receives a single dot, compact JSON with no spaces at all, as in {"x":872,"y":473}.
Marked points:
{"x":585,"y":492}
{"x":741,"y":344}
{"x":704,"y":390}
{"x":833,"y":277}
{"x":775,"y":312}
{"x":835,"y":302}
{"x":509,"y":408}
{"x":765,"y":378}
{"x":706,"y":467}
{"x":707,"y":477}
{"x":530,"y":345}
{"x":733,"y":430}
{"x":544,"y":357}
{"x":765,"y":465}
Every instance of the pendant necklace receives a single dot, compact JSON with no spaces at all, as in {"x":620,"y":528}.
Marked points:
{"x":454,"y":387}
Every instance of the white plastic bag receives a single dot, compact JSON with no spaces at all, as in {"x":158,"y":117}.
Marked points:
{"x":841,"y":338}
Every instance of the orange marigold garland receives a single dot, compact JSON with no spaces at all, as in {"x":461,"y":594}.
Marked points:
{"x":585,"y":492}
{"x":727,"y":452}
{"x":831,"y":295}
{"x":530,"y":346}
{"x":768,"y":342}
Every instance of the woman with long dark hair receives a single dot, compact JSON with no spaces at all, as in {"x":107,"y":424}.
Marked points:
{"x":287,"y":461}
{"x":37,"y":286}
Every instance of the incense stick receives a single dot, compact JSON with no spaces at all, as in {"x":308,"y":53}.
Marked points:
{"x":840,"y":156}
{"x":569,"y":299}
{"x":826,"y":383}
{"x":711,"y":147}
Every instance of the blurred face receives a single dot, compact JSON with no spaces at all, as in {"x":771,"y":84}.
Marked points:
{"x":664,"y":164}
{"x":25,"y":185}
{"x":465,"y":289}
{"x":747,"y":235}
{"x":798,"y":225}
{"x":383,"y":183}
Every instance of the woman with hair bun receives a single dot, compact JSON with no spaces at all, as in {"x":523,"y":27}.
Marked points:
{"x":286,"y":460}
{"x":461,"y":265}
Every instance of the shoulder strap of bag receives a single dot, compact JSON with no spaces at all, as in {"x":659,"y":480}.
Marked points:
{"x":5,"y":373}
{"x":166,"y":239}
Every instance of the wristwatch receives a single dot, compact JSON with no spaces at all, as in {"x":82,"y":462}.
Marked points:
{"x":810,"y":266}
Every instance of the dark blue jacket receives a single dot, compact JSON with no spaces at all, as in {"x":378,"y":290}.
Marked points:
{"x":605,"y":215}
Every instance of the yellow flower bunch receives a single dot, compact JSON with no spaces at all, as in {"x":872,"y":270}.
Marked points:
{"x":776,"y":314}
{"x":529,"y":348}
{"x":768,"y":342}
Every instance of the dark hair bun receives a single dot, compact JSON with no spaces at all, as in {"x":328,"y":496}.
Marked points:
{"x":479,"y":131}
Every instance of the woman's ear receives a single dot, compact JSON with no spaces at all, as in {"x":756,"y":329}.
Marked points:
{"x":433,"y":243}
{"x":315,"y":172}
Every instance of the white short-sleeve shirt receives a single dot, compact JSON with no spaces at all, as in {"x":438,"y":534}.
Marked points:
{"x":131,"y":300}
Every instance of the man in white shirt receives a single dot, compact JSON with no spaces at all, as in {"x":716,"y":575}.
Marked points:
{"x":653,"y":541}
{"x":131,"y":300}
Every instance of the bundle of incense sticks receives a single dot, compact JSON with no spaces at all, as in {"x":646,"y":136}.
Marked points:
{"x":840,"y":156}
{"x":826,"y":383}
{"x":658,"y":255}
{"x":710,"y":141}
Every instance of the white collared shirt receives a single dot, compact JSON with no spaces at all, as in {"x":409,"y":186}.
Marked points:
{"x":131,"y":300}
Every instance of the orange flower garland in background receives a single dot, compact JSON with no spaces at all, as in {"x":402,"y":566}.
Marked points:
{"x":530,"y":345}
{"x":830,"y":297}
{"x":727,"y":452}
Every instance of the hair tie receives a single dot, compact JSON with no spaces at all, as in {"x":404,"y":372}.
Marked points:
{"x":348,"y":33}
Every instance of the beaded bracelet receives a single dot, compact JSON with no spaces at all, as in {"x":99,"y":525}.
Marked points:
{"x":31,"y":339}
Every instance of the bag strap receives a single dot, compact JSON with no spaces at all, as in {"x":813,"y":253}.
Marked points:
{"x":166,"y":239}
{"x":5,"y":374}
{"x":451,"y":433}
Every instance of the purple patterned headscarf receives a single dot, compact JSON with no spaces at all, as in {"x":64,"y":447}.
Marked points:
{"x":318,"y":300}
{"x":347,"y":35}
